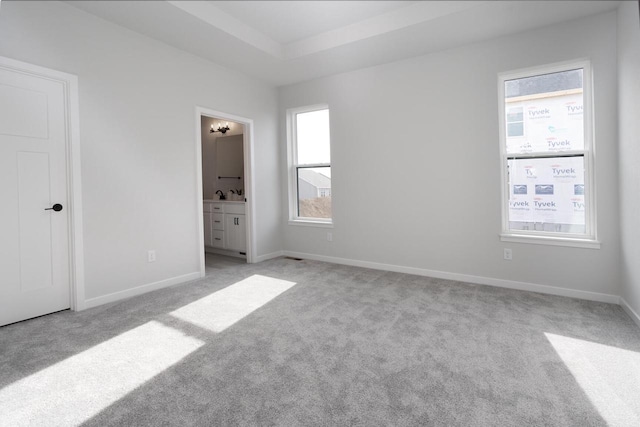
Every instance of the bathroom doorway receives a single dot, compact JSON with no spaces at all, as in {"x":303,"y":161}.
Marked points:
{"x":225,"y":184}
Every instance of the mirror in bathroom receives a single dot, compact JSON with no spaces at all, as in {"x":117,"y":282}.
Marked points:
{"x":229,"y":157}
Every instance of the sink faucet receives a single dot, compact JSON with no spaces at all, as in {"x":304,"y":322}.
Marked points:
{"x":221,"y":194}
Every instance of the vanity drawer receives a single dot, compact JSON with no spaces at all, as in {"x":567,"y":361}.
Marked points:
{"x":234,"y":208}
{"x":217,"y":221}
{"x":217,"y":207}
{"x":218,"y":239}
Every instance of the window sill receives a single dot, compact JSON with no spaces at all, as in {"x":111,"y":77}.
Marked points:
{"x":311,"y":223}
{"x":550,"y":240}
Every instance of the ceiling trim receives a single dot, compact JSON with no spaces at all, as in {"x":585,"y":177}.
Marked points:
{"x":212,"y":15}
{"x":387,"y":22}
{"x":384,"y":23}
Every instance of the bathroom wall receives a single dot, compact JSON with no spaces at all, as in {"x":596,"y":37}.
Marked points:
{"x":210,"y":181}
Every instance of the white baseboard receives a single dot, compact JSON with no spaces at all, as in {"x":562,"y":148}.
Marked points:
{"x":268,"y":256}
{"x":626,"y":307}
{"x":139,"y":290}
{"x":510,"y":284}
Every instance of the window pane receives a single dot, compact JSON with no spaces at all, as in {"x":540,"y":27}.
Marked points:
{"x":552,"y":113}
{"x":515,"y":129}
{"x":313,"y":137}
{"x":547,"y":194}
{"x":515,"y":115}
{"x":544,"y":83}
{"x":314,"y":192}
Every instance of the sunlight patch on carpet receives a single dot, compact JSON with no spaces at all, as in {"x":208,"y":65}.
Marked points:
{"x":609,"y":376}
{"x":75,"y":389}
{"x":221,"y":309}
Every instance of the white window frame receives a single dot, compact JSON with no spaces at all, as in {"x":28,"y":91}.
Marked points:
{"x":589,"y":239}
{"x":292,"y":155}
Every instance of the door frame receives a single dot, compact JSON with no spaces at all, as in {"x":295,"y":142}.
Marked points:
{"x":247,"y":144}
{"x":73,"y":171}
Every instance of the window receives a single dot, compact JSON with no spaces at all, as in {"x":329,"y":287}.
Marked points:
{"x":547,"y":156}
{"x":309,"y":158}
{"x":515,"y":122}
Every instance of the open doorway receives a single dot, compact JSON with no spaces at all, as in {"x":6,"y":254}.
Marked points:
{"x":224,"y":182}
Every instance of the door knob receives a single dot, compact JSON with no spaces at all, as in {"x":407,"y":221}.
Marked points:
{"x":57,"y":207}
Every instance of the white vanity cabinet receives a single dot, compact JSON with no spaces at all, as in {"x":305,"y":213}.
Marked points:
{"x":225,"y":226}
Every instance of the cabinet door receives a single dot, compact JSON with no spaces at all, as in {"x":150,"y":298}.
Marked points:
{"x":236,"y":232}
{"x":208,"y":228}
{"x":241,"y":233}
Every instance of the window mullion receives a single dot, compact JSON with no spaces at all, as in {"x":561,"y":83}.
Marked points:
{"x":312,"y":165}
{"x":545,"y":155}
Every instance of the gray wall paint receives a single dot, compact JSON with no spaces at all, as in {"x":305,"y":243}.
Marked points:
{"x":138,"y":132}
{"x":230,"y":163}
{"x":629,"y":94}
{"x":210,"y":182}
{"x":208,"y":157}
{"x":416,"y":166}
{"x":401,"y":192}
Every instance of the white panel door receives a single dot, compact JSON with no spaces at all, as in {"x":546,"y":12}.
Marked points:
{"x":34,"y":242}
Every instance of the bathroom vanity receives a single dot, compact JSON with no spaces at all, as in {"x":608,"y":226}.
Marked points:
{"x":225,"y":229}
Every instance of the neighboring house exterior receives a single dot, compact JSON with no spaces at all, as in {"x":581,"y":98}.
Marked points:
{"x":312,"y":184}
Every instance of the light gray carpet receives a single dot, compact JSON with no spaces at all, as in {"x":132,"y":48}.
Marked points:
{"x":215,"y":262}
{"x":343,"y":346}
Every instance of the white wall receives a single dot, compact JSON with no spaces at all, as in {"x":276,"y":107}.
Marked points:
{"x":138,"y":132}
{"x":629,"y":134}
{"x":416,"y":166}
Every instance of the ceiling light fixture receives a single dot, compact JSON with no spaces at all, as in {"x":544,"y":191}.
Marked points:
{"x":220,"y":129}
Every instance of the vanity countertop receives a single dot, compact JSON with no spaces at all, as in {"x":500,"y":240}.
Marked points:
{"x":222,"y":201}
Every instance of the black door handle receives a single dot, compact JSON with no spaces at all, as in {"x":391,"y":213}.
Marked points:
{"x":57,"y":207}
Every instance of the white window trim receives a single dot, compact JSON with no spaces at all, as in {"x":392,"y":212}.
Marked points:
{"x":294,"y":219}
{"x":589,"y":239}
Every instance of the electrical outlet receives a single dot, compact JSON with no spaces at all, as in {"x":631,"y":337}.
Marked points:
{"x":508,"y":255}
{"x":151,"y":256}
{"x":329,"y":237}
